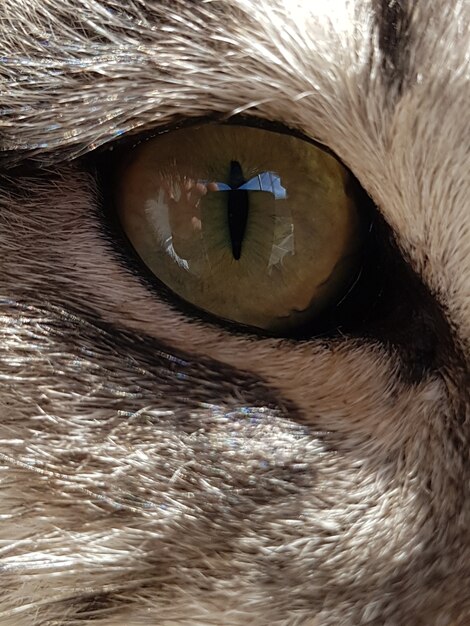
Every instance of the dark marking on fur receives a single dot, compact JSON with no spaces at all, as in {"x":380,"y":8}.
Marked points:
{"x":144,"y":358}
{"x":393,"y":19}
{"x":93,"y":607}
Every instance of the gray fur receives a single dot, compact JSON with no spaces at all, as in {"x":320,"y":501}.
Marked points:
{"x":157,"y":469}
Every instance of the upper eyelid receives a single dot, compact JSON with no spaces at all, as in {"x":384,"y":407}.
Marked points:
{"x":131,"y":140}
{"x":114,"y":102}
{"x":36,"y":157}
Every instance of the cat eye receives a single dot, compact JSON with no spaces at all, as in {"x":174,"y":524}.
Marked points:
{"x":253,"y":226}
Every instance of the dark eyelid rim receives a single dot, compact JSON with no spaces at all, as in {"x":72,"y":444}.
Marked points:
{"x":133,"y":139}
{"x":325,"y":325}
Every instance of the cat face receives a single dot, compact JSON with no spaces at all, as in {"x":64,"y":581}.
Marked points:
{"x":159,"y":466}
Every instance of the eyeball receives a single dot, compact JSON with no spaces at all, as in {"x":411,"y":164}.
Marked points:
{"x":253,"y":226}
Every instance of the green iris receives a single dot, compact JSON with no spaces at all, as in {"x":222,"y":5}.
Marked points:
{"x":253,"y":226}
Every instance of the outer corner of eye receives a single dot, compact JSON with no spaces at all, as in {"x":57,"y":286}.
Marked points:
{"x":253,"y":226}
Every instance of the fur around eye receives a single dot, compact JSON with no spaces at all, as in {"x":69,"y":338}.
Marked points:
{"x":159,"y":464}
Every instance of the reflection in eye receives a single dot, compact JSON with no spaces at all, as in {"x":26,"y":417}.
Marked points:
{"x":253,"y":226}
{"x":266,"y":181}
{"x":238,"y":200}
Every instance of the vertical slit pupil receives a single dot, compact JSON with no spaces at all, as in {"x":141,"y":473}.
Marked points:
{"x":237,"y":208}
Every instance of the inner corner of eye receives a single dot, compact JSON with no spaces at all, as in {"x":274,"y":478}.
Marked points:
{"x":253,"y":226}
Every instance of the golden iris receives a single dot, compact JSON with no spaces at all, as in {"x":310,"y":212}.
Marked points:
{"x":253,"y":226}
